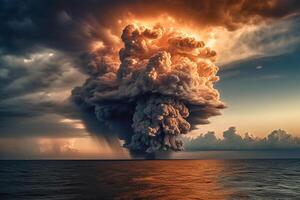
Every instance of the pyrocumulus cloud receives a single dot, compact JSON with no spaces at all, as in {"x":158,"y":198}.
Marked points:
{"x":162,"y":80}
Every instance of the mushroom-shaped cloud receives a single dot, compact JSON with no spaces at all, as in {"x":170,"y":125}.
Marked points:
{"x":161,"y":82}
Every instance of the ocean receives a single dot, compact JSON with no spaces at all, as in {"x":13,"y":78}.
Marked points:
{"x":150,"y":179}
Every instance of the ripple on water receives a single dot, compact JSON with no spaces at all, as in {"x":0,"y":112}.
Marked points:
{"x":164,"y":179}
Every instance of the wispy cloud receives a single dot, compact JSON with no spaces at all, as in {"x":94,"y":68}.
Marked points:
{"x":256,"y":41}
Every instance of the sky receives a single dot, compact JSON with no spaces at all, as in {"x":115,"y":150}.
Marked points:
{"x":47,"y":49}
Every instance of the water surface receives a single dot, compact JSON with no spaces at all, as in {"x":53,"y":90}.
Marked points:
{"x":157,"y":179}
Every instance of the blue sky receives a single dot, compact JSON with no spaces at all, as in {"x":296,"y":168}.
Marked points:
{"x":266,"y":88}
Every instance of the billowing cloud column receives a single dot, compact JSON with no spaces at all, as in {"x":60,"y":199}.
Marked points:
{"x":164,"y":83}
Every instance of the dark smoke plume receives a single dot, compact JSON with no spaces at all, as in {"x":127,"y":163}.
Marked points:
{"x":162,"y":84}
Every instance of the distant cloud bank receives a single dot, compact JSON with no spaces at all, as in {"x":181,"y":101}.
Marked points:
{"x":276,"y":140}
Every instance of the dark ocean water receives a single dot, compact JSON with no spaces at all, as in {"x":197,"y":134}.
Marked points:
{"x":157,"y":179}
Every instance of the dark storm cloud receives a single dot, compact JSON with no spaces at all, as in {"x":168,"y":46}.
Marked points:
{"x":63,"y":25}
{"x":277,"y":139}
{"x":227,"y":13}
{"x":66,"y":25}
{"x":28,"y":74}
{"x":32,"y":87}
{"x":33,"y":66}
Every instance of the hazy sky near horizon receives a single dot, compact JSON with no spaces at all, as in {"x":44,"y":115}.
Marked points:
{"x":43,"y":50}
